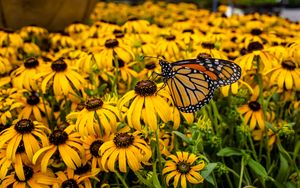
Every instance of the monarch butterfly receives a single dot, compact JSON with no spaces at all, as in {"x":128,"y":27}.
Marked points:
{"x":192,"y":82}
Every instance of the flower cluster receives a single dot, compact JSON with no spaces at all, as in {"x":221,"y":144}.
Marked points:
{"x":86,"y":107}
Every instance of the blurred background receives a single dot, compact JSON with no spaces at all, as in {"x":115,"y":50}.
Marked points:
{"x":56,"y":14}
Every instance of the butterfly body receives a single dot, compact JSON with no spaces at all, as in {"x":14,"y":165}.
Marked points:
{"x":192,"y":82}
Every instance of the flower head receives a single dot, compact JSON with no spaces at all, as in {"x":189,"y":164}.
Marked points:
{"x":183,"y":167}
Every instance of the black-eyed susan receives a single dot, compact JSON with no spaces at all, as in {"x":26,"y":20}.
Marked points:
{"x":33,"y":107}
{"x":184,"y":168}
{"x":69,"y":178}
{"x":210,"y":49}
{"x":10,"y":38}
{"x":8,"y":110}
{"x":31,"y":177}
{"x":111,"y":51}
{"x":33,"y":34}
{"x":67,"y":143}
{"x":126,"y":150}
{"x":61,"y":77}
{"x":253,"y":112}
{"x":125,"y":69}
{"x":150,"y":67}
{"x":75,"y":30}
{"x":257,"y":56}
{"x":60,"y":41}
{"x":178,"y":117}
{"x":170,"y":47}
{"x":32,"y":134}
{"x":92,"y":145}
{"x":146,"y":103}
{"x":97,"y":118}
{"x":286,"y":75}
{"x":135,"y":25}
{"x":5,"y":66}
{"x":24,"y":76}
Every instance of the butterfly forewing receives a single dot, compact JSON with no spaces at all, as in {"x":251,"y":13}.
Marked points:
{"x":190,"y":89}
{"x":222,"y":72}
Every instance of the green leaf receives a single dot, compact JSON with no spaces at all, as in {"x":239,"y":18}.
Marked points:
{"x":155,"y":179}
{"x":143,"y":180}
{"x":283,"y":171}
{"x":183,"y":137}
{"x":229,"y":151}
{"x":258,"y":168}
{"x":206,"y":173}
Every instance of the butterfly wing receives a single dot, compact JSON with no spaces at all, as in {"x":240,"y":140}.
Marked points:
{"x":222,"y":72}
{"x":190,"y":88}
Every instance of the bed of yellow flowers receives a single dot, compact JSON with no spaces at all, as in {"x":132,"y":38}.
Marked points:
{"x":80,"y":108}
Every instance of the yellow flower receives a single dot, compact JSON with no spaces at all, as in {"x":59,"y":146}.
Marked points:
{"x":97,"y":118}
{"x":209,"y":48}
{"x":256,"y":53}
{"x":252,"y":112}
{"x":67,"y":143}
{"x":183,"y":167}
{"x":33,"y":107}
{"x":31,"y":177}
{"x":9,"y":38}
{"x":31,"y":133}
{"x":69,"y":178}
{"x":75,"y":30}
{"x":5,"y":66}
{"x":125,"y":149}
{"x":146,"y":104}
{"x":24,"y":76}
{"x":286,"y":75}
{"x":63,"y":78}
{"x":134,"y":25}
{"x":59,"y":41}
{"x":92,"y":145}
{"x":170,"y":47}
{"x":33,"y":33}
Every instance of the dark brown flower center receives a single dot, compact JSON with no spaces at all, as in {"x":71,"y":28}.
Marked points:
{"x":94,"y":148}
{"x":62,"y":126}
{"x":70,"y":183}
{"x":93,"y":104}
{"x":208,"y":45}
{"x":243,"y":51}
{"x":59,"y":65}
{"x":254,"y":105}
{"x":58,"y":137}
{"x":145,"y":88}
{"x":31,"y":63}
{"x":256,"y":31}
{"x":170,"y":37}
{"x":203,"y":56}
{"x":183,"y":167}
{"x":150,"y":66}
{"x":118,"y":33}
{"x":33,"y":99}
{"x":80,"y":106}
{"x":82,"y":169}
{"x":24,"y":126}
{"x":253,"y":46}
{"x":289,"y":65}
{"x":28,"y":172}
{"x":121,"y":63}
{"x":123,"y":140}
{"x":111,"y":43}
{"x":133,"y":19}
{"x":188,"y":31}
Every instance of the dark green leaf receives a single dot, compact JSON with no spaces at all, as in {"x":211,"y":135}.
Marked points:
{"x":258,"y":168}
{"x":206,"y":173}
{"x":229,"y":151}
{"x":283,"y":171}
{"x":183,"y":137}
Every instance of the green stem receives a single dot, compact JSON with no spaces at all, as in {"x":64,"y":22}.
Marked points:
{"x":253,"y":148}
{"x":121,"y":179}
{"x":159,"y":158}
{"x":241,"y":173}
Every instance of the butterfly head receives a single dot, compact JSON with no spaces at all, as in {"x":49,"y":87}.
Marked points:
{"x":166,"y":69}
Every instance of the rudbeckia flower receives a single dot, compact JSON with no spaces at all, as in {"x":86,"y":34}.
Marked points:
{"x":33,"y":134}
{"x":150,"y":67}
{"x":24,"y":76}
{"x":184,"y":168}
{"x":9,"y":38}
{"x":286,"y":75}
{"x":63,"y":78}
{"x":75,"y":30}
{"x":125,"y":149}
{"x":69,"y":178}
{"x":67,"y":143}
{"x":126,"y":71}
{"x":5,"y":66}
{"x":253,"y":113}
{"x":256,"y":53}
{"x":60,"y":41}
{"x":146,"y":103}
{"x":134,"y":25}
{"x":170,"y":47}
{"x":31,"y":177}
{"x":33,"y":33}
{"x":33,"y":107}
{"x":209,"y":48}
{"x":97,"y":118}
